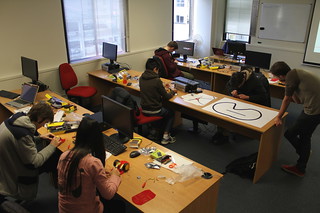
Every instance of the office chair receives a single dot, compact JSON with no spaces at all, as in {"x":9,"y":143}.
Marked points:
{"x":68,"y":80}
{"x":122,"y":96}
{"x":163,"y":71}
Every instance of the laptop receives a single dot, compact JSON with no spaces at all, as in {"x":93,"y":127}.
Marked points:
{"x":27,"y":97}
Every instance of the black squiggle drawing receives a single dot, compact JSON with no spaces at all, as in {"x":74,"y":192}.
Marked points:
{"x":237,"y":113}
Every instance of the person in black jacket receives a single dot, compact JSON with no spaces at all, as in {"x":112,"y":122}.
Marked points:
{"x":246,"y":86}
{"x":153,"y":93}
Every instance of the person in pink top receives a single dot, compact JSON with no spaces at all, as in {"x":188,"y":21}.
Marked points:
{"x":82,"y":178}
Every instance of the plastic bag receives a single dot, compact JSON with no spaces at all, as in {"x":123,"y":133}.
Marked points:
{"x":73,"y":117}
{"x":185,"y":172}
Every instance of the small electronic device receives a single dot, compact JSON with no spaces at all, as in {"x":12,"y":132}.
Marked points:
{"x":186,"y":49}
{"x":119,"y":117}
{"x":110,"y":52}
{"x":135,"y":142}
{"x":134,"y":154}
{"x":27,"y":97}
{"x":186,"y":85}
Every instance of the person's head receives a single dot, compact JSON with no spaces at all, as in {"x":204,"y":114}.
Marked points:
{"x":237,"y":79}
{"x":40,"y":114}
{"x":153,"y":65}
{"x":280,"y":69}
{"x":172,"y":46}
{"x":88,"y":141}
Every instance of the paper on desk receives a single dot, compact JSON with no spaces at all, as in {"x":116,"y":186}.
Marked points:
{"x":199,"y":99}
{"x":108,"y":155}
{"x":178,"y":160}
{"x":24,"y":109}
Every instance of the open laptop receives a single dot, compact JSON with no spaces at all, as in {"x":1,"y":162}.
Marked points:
{"x":28,"y":95}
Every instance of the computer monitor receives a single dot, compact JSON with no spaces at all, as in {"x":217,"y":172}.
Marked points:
{"x":258,"y":60}
{"x":119,"y":117}
{"x":109,"y":51}
{"x":185,"y":48}
{"x":236,"y":48}
{"x":30,"y":69}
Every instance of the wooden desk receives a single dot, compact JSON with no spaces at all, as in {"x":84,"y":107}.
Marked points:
{"x":219,"y":78}
{"x":196,"y":194}
{"x":269,"y":136}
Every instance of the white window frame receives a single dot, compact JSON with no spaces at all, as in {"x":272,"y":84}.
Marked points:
{"x":89,"y":23}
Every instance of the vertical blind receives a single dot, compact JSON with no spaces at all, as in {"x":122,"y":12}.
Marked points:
{"x":238,"y":17}
{"x":90,"y":22}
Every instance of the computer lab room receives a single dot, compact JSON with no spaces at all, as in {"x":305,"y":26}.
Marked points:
{"x":159,"y":106}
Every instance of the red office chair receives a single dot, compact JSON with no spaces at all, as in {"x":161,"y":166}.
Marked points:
{"x":69,"y":79}
{"x":141,"y":119}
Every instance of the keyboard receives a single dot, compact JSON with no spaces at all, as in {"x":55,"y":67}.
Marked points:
{"x":112,"y":146}
{"x":7,"y":94}
{"x":20,"y":101}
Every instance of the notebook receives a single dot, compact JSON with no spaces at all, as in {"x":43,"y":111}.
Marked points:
{"x":28,"y":95}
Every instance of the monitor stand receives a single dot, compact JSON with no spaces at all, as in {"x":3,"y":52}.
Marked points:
{"x":120,"y":138}
{"x":42,"y":86}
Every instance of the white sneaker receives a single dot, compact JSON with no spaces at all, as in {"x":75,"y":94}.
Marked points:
{"x":169,"y":140}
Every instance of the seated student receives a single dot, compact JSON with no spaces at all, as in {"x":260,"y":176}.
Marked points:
{"x":302,"y":87}
{"x":246,"y":86}
{"x":152,"y":94}
{"x":81,"y":173}
{"x":21,"y":158}
{"x":166,"y":54}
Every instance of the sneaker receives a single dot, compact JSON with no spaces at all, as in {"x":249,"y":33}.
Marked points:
{"x":292,"y":170}
{"x":169,"y":140}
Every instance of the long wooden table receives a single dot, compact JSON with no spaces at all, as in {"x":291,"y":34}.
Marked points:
{"x":196,"y":194}
{"x":269,"y":136}
{"x":218,"y":78}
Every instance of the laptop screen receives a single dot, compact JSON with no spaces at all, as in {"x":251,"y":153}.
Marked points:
{"x":29,"y":92}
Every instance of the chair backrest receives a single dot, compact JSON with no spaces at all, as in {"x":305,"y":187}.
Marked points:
{"x":122,"y":96}
{"x":67,"y":76}
{"x":266,"y":85}
{"x":163,"y":71}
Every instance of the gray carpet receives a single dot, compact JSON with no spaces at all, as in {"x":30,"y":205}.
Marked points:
{"x":276,"y":191}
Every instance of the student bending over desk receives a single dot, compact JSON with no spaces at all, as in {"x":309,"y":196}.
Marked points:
{"x":20,"y":160}
{"x":81,"y":174}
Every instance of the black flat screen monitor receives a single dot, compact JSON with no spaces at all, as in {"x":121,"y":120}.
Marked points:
{"x":109,"y":51}
{"x":258,"y":60}
{"x":119,"y":117}
{"x":236,"y":48}
{"x":30,"y":69}
{"x":185,"y":48}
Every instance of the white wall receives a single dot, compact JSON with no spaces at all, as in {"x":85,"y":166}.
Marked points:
{"x":34,"y":29}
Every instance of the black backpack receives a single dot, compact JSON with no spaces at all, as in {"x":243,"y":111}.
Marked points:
{"x":122,"y":96}
{"x":245,"y":167}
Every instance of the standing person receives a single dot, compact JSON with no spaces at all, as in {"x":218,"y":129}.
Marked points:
{"x":153,"y":93}
{"x":21,"y":157}
{"x":81,"y":174}
{"x":166,"y":54}
{"x":303,"y":88}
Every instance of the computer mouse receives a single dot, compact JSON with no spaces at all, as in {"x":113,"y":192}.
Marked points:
{"x":134,"y":154}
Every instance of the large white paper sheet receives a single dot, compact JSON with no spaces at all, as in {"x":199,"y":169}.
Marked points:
{"x":242,"y":112}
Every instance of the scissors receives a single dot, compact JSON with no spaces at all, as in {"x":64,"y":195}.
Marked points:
{"x":173,"y":164}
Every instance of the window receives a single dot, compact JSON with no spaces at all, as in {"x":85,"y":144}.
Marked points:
{"x":181,"y":22}
{"x":238,"y":19}
{"x":88,"y":23}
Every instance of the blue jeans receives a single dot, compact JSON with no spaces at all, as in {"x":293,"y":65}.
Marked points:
{"x":167,"y":118}
{"x":299,"y":135}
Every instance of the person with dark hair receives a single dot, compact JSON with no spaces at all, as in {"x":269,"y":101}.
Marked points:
{"x":246,"y":86}
{"x":21,"y":157}
{"x":82,"y":173}
{"x":153,"y":93}
{"x":302,"y":87}
{"x":166,"y":54}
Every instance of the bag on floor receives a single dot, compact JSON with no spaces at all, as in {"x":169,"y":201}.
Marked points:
{"x":245,"y":167}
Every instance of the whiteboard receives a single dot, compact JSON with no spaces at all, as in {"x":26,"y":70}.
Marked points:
{"x":286,"y":22}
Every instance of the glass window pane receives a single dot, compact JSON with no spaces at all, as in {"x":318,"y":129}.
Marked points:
{"x":238,"y":17}
{"x":89,"y":23}
{"x":181,"y":25}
